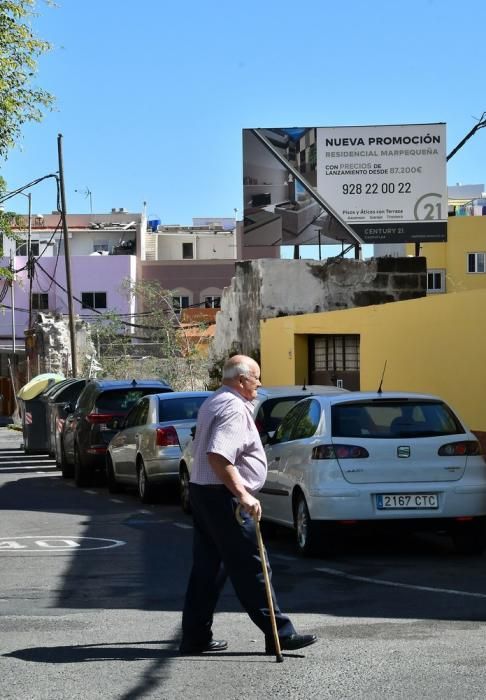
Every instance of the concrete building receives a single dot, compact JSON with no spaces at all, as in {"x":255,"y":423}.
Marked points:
{"x":102,"y":251}
{"x":196,"y":262}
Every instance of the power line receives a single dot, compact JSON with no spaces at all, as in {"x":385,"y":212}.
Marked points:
{"x":100,"y":313}
{"x":19,"y":190}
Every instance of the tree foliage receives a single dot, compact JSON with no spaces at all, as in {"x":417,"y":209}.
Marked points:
{"x":157,"y":347}
{"x":21,"y":100}
{"x":7,"y":220}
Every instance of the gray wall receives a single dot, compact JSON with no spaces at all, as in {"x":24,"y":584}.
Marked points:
{"x":269,"y":288}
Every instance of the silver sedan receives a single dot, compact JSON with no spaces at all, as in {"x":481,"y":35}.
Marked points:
{"x":147,"y":450}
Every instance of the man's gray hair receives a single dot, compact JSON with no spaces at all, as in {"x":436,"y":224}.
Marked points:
{"x":234,"y":370}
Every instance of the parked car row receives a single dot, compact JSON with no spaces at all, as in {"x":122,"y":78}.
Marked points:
{"x":336,"y":459}
{"x":95,"y":419}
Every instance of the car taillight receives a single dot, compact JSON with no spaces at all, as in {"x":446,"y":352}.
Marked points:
{"x":166,"y":436}
{"x":339,"y":452}
{"x":465,"y":448}
{"x":97,"y":418}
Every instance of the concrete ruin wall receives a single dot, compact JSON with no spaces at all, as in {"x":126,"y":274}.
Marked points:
{"x":51,"y":351}
{"x":268,"y":288}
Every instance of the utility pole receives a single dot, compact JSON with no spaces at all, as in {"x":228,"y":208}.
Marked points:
{"x":12,"y":301}
{"x":481,"y":123}
{"x":30,"y":268}
{"x":67,"y":259}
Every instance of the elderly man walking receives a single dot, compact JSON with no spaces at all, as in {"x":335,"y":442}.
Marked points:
{"x":229,"y":467}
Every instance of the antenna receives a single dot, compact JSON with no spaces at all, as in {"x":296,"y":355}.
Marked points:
{"x":381,"y":381}
{"x":304,"y":388}
{"x":87,"y":193}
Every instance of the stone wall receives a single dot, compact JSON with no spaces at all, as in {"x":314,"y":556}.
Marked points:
{"x":269,"y":288}
{"x":48,"y":345}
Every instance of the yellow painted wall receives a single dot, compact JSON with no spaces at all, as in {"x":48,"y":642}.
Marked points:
{"x":435,"y":345}
{"x":465,"y":234}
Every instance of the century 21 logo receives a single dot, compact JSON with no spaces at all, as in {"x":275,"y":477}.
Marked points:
{"x":427,"y":208}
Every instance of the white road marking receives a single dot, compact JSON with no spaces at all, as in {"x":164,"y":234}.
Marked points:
{"x":93,"y":493}
{"x":147,"y":512}
{"x":116,"y":500}
{"x":54,"y":544}
{"x":283,"y":556}
{"x":15,"y":465}
{"x":183,"y":526}
{"x":397,"y":584}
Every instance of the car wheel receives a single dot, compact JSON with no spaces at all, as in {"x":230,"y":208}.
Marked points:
{"x":469,"y":537}
{"x":184,"y":489}
{"x":67,"y":470}
{"x":146,"y":491}
{"x":113,"y":485}
{"x":306,"y":530}
{"x":82,"y":474}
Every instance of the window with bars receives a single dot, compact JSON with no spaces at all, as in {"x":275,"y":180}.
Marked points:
{"x":436,"y":280}
{"x":476,"y":262}
{"x":93,"y":300}
{"x":40,"y":301}
{"x":212,"y":302}
{"x":179,"y":302}
{"x":23,"y":250}
{"x":100,"y":246}
{"x":336,"y":353}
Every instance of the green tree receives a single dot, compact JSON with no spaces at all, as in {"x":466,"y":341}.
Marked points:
{"x":7,"y":220}
{"x":21,"y":100}
{"x":157,"y":347}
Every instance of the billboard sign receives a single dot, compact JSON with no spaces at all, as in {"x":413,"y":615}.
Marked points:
{"x":366,"y":184}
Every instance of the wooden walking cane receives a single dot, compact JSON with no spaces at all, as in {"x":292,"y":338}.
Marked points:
{"x":261,"y":549}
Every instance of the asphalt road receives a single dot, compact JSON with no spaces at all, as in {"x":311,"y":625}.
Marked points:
{"x":91,"y":589}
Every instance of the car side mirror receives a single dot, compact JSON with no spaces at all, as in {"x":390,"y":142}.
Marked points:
{"x":193,"y":432}
{"x":268,"y":438}
{"x":68,"y":407}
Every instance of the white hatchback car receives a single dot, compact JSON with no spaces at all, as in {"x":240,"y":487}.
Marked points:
{"x":270,"y":406}
{"x":358,"y":457}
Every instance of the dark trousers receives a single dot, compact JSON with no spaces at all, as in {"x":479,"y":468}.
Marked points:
{"x":222,"y":547}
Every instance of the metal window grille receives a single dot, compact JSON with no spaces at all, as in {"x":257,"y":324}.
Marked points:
{"x":336,"y":352}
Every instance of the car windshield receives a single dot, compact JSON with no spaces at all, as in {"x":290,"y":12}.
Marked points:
{"x":121,"y":400}
{"x":180,"y":409}
{"x":394,"y":418}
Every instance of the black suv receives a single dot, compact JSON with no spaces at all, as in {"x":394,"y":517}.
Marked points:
{"x":89,"y":428}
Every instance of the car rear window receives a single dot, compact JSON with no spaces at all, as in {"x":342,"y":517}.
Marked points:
{"x":394,"y":419}
{"x":180,"y":409}
{"x":121,"y":400}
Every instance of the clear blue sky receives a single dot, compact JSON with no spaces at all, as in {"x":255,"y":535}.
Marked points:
{"x":152,"y":95}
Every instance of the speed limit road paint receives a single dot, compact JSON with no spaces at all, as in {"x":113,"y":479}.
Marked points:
{"x":56,"y":544}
